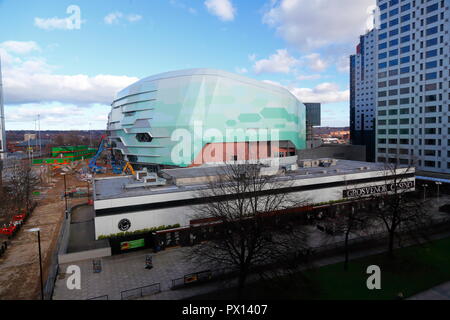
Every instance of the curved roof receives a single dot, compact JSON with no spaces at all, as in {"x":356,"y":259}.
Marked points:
{"x":204,"y":72}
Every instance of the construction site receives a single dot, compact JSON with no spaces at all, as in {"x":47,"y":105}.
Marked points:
{"x":64,"y":181}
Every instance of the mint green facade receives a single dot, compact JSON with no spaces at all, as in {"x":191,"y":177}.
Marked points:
{"x":163,"y":104}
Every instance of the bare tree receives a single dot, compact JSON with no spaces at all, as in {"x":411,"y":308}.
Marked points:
{"x":22,"y":182}
{"x":400,"y":211}
{"x":250,"y":209}
{"x":354,"y":218}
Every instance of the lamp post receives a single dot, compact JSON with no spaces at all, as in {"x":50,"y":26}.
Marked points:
{"x":65,"y":192}
{"x":40,"y":258}
{"x":438,"y":184}
{"x":424,"y":191}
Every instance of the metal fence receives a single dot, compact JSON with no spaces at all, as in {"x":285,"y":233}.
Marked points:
{"x":105,"y":297}
{"x":140,"y":292}
{"x":49,"y":285}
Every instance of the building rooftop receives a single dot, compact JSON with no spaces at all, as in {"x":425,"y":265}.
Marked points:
{"x":114,"y":187}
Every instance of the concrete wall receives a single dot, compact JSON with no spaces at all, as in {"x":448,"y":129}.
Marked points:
{"x":84,"y":255}
{"x":343,"y":152}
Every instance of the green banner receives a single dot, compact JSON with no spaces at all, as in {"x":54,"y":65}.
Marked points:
{"x":127,"y":245}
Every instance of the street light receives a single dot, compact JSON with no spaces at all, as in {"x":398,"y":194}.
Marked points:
{"x":438,"y":185}
{"x":424,"y":191}
{"x":65,"y":193}
{"x":38,"y":230}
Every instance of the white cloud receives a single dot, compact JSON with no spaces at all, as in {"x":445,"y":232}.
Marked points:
{"x":309,"y":77}
{"x":20,"y":47}
{"x":316,"y":63}
{"x":312,"y":24}
{"x":56,"y":116}
{"x":32,"y":80}
{"x":113,"y":17}
{"x":343,"y":64}
{"x":116,"y":17}
{"x":181,"y":5}
{"x":252,"y":57}
{"x":223,"y":9}
{"x":241,"y":70}
{"x":280,"y":62}
{"x":133,"y":17}
{"x":326,"y":92}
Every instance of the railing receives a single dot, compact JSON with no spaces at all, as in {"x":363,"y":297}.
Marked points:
{"x":105,"y":297}
{"x":193,"y":278}
{"x":140,"y":292}
{"x":49,"y":285}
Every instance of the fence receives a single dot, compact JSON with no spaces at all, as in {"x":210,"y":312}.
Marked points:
{"x":105,"y":297}
{"x":140,"y":292}
{"x":193,"y":278}
{"x":54,"y":264}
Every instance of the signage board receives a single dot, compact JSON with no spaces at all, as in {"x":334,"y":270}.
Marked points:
{"x":128,"y":245}
{"x":374,"y":190}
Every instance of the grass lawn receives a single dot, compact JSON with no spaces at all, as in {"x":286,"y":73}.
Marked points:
{"x":413,"y":270}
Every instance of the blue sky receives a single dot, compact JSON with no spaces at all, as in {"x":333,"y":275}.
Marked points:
{"x":68,"y":73}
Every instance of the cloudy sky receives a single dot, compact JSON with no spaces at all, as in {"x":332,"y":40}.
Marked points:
{"x":65,"y":60}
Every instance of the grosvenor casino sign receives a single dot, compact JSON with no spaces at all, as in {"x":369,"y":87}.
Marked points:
{"x":367,"y":191}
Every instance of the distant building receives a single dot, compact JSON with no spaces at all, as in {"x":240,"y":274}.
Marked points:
{"x":362,"y":94}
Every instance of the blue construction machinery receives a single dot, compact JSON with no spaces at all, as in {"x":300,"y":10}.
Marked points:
{"x":93,"y":162}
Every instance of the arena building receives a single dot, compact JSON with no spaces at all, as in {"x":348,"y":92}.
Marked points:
{"x":191,"y":117}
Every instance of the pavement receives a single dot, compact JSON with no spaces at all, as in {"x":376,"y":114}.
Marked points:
{"x":82,"y":231}
{"x":441,"y":292}
{"x":127,"y":271}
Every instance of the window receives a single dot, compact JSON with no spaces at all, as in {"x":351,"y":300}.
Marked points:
{"x":432,"y":42}
{"x":404,"y":60}
{"x":431,"y":53}
{"x":431,"y":64}
{"x":143,"y":137}
{"x":393,"y":22}
{"x":393,"y":62}
{"x":382,"y":46}
{"x":393,"y":52}
{"x":431,"y":76}
{"x":393,"y":42}
{"x":382,"y":36}
{"x":405,"y":28}
{"x":432,"y":19}
{"x":382,"y":55}
{"x":431,"y":31}
{"x":393,"y":33}
{"x":404,"y":70}
{"x":405,"y":39}
{"x":406,"y":17}
{"x":432,"y":8}
{"x":405,"y":7}
{"x":405,"y":49}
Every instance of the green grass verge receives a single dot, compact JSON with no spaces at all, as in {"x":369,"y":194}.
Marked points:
{"x":414,"y":269}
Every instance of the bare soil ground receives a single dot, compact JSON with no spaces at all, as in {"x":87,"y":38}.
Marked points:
{"x":19,"y":267}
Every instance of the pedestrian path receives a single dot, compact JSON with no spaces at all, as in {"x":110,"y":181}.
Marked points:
{"x":441,"y":292}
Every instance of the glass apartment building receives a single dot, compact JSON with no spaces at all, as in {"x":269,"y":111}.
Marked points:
{"x":363,"y":68}
{"x":413,"y":84}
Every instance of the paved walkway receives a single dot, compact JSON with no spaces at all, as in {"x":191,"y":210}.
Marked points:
{"x":441,"y":292}
{"x":126,"y":271}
